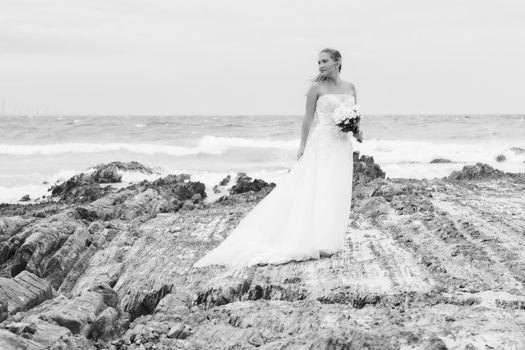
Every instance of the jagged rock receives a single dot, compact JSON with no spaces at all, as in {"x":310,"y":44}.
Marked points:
{"x":244,"y":183}
{"x":38,"y":329}
{"x":3,"y":310}
{"x":21,"y":327}
{"x":415,"y":251}
{"x":501,"y":158}
{"x":25,"y":198}
{"x":476,"y":172}
{"x":85,"y":187}
{"x":77,"y":314}
{"x":372,"y":207}
{"x":179,"y":331}
{"x":196,"y":198}
{"x":109,"y":296}
{"x":12,"y":341}
{"x":106,"y":174}
{"x":517,"y":150}
{"x":10,"y":226}
{"x":64,"y":259}
{"x":78,"y":269}
{"x":38,"y":242}
{"x":104,"y":208}
{"x":222,"y":184}
{"x":24,"y":291}
{"x":365,"y":170}
{"x":440,"y":160}
{"x":435,"y":344}
{"x":225,"y":181}
{"x":389,"y":190}
{"x":126,"y":166}
{"x":177,"y":184}
{"x":188,"y":205}
{"x":411,"y":204}
{"x":105,"y":324}
{"x":79,"y":188}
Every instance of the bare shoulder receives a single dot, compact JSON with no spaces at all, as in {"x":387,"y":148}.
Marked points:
{"x":350,"y":86}
{"x":314,"y":91}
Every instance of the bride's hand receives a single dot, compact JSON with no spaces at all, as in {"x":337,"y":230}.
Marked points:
{"x":300,"y":153}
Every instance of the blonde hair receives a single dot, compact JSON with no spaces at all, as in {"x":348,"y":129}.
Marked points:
{"x":336,"y":56}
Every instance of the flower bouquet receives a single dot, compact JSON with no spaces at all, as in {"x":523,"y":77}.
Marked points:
{"x":348,"y":118}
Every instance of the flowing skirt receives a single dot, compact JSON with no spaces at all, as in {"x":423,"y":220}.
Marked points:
{"x":304,"y":216}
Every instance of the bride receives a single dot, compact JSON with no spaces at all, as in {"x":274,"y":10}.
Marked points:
{"x":305,"y":215}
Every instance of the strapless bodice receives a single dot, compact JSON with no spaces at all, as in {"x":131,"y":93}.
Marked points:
{"x":326,"y":104}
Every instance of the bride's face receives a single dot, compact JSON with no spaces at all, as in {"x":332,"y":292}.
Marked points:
{"x":326,"y":64}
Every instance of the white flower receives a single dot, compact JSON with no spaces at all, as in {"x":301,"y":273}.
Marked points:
{"x":356,"y":110}
{"x":341,"y":113}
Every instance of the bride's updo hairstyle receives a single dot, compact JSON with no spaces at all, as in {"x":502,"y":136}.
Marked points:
{"x":336,"y":56}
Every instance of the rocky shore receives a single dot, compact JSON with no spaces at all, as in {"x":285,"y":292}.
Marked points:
{"x":428,"y":264}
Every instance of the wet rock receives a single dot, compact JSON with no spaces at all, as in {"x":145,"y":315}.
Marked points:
{"x":244,"y":183}
{"x":476,"y":172}
{"x":440,"y":160}
{"x":501,"y":158}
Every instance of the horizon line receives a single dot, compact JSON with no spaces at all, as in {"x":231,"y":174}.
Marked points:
{"x":256,"y":115}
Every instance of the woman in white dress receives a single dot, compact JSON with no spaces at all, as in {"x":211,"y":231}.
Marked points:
{"x":306,"y":215}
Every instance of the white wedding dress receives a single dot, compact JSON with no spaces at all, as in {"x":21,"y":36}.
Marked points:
{"x":306,"y":214}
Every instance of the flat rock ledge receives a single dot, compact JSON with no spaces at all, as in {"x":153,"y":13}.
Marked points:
{"x":427,"y":264}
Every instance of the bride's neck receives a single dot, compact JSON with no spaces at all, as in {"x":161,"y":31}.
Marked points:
{"x":334,"y":80}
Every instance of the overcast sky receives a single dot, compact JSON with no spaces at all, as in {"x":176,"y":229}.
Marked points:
{"x":221,"y":57}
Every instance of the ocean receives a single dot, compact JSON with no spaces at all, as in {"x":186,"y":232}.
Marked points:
{"x":37,"y":151}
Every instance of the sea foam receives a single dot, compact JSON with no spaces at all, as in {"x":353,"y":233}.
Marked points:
{"x":206,"y":145}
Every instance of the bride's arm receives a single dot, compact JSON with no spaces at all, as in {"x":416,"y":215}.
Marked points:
{"x":311,"y":100}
